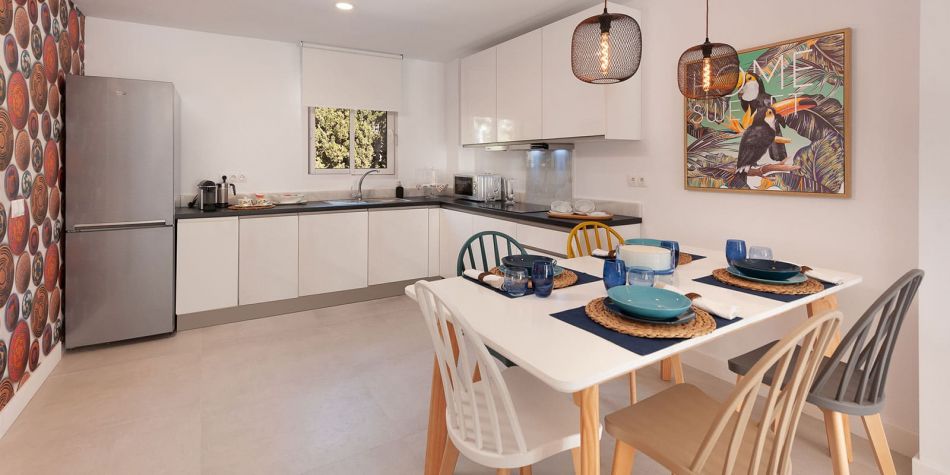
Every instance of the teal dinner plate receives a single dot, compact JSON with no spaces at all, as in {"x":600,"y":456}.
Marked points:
{"x":649,"y":302}
{"x":685,"y":317}
{"x":798,"y":279}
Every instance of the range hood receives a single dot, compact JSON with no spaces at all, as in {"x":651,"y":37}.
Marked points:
{"x":521,"y":146}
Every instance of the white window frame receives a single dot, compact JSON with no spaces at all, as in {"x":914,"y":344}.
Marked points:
{"x":391,"y":141}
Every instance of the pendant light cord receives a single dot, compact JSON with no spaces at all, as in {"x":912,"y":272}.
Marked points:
{"x":707,"y":19}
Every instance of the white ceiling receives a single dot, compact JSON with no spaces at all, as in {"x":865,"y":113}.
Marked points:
{"x":426,"y":29}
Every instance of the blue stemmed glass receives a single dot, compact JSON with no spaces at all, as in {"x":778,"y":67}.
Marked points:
{"x":675,"y":247}
{"x":542,"y":278}
{"x":735,"y":250}
{"x":615,"y":273}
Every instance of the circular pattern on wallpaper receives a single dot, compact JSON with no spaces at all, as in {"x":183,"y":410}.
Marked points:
{"x":18,"y":229}
{"x":19,"y":351}
{"x":6,"y":139}
{"x":12,"y":312}
{"x":21,"y":27}
{"x":6,"y":392}
{"x":51,"y":266}
{"x":11,"y":182}
{"x":39,"y":88}
{"x":51,"y":163}
{"x":40,"y":311}
{"x":6,"y":273}
{"x":39,"y":199}
{"x":6,"y":16}
{"x":21,"y":276}
{"x":18,"y":100}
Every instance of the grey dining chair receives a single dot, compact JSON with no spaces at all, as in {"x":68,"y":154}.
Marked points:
{"x":855,"y":386}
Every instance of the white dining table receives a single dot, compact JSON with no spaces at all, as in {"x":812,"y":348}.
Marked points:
{"x":575,"y":361}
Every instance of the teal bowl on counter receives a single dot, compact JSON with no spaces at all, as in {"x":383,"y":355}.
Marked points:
{"x":649,"y":302}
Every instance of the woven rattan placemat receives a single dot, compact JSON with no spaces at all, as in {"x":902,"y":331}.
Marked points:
{"x":810,"y":286}
{"x":685,"y":258}
{"x":701,"y":325}
{"x":566,"y":279}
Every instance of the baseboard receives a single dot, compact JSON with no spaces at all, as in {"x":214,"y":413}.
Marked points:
{"x":22,"y":397}
{"x":900,"y":440}
{"x":921,"y":468}
{"x":311,"y":302}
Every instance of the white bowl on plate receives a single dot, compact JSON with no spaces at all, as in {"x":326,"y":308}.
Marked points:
{"x":289,"y":198}
{"x":652,"y":257}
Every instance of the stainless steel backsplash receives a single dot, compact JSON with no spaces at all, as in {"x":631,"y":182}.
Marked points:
{"x":549,"y":177}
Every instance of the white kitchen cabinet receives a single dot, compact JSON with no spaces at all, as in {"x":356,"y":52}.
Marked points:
{"x":518,"y":75}
{"x":268,"y":259}
{"x":206,"y":274}
{"x":455,"y":227}
{"x":333,"y":249}
{"x":478,"y":102}
{"x":398,"y":245}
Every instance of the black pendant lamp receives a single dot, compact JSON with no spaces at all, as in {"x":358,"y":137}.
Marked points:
{"x":606,"y":48}
{"x":709,"y":70}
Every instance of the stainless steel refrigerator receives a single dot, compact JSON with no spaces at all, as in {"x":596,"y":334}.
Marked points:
{"x":121,"y":167}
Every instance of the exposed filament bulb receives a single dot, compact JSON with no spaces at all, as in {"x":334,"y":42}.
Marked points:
{"x":707,"y":74}
{"x":605,"y":52}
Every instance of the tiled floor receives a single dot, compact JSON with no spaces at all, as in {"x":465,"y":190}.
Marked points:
{"x":339,"y":390}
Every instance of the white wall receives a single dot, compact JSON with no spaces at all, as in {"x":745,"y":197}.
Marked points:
{"x":874,"y":233}
{"x":241,"y":110}
{"x":934,"y":252}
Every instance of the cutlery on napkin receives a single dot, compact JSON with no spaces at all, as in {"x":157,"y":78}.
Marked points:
{"x":603,"y":253}
{"x":719,"y":309}
{"x":823,"y":275}
{"x":490,"y":279}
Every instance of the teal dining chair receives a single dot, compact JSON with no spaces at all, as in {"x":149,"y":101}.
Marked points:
{"x":492,"y":255}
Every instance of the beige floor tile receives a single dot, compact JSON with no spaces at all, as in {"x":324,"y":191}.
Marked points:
{"x":337,"y":390}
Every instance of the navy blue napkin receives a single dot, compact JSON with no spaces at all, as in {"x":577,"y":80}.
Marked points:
{"x":582,"y":278}
{"x":639,"y":345}
{"x":710,"y":280}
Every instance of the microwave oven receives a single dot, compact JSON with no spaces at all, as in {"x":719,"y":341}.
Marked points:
{"x":479,"y":187}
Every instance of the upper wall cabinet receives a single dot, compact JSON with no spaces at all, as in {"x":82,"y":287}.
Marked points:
{"x":519,"y":97}
{"x":478,"y":102}
{"x":535,"y":96}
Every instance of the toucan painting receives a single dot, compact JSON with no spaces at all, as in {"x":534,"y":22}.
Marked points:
{"x":784,"y":128}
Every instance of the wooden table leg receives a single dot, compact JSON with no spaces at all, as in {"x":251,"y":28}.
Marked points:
{"x":437,"y":435}
{"x":589,"y":402}
{"x":666,"y":370}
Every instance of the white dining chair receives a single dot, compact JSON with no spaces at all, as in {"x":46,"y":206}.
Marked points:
{"x":503,"y":419}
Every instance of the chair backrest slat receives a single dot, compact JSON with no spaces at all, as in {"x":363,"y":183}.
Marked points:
{"x":865,"y":361}
{"x":479,"y":412}
{"x":577,"y":248}
{"x":478,"y":240}
{"x":795,"y":360}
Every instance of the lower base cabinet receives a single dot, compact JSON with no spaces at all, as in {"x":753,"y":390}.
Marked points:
{"x":333,"y":251}
{"x":267,"y":259}
{"x":398,"y":245}
{"x":206,"y":275}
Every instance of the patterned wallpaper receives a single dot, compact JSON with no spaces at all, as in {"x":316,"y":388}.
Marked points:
{"x":42,"y":42}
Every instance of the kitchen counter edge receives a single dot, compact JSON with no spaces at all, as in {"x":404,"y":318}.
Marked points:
{"x":448,"y":203}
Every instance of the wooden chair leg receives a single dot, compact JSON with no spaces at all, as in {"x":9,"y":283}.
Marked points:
{"x":676,"y":365}
{"x":623,"y":459}
{"x":666,"y":370}
{"x":849,"y":449}
{"x":882,"y":452}
{"x":503,"y":471}
{"x":633,"y":387}
{"x":834,"y":428}
{"x":450,"y":457}
{"x":526,"y":470}
{"x":576,"y":459}
{"x":437,"y":437}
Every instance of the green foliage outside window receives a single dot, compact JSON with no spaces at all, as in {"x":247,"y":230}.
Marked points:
{"x":341,"y":134}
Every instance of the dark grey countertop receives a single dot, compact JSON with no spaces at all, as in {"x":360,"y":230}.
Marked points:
{"x":448,"y":203}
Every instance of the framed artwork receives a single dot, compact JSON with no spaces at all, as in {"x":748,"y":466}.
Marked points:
{"x":785,"y":129}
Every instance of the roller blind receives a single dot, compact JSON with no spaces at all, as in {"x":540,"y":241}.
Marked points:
{"x":349,"y":79}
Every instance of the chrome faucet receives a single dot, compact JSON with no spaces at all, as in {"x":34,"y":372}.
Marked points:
{"x":359,"y":188}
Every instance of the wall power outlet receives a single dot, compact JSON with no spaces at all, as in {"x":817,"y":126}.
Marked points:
{"x":635,"y":181}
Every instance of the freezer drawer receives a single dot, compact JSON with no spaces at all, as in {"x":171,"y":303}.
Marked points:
{"x":119,"y":284}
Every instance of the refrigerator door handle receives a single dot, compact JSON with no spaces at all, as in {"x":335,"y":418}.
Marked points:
{"x":120,"y":225}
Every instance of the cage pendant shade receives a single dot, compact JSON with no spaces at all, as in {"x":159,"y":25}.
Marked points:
{"x":606,"y":48}
{"x":708,"y":71}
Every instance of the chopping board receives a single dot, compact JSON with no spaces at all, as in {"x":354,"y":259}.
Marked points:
{"x":580,"y":217}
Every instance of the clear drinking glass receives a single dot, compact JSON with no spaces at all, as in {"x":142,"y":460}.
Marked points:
{"x":760,"y":252}
{"x":516,"y":282}
{"x":509,"y":190}
{"x":641,"y":276}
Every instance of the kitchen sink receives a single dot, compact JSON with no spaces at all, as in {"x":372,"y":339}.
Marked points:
{"x":367,"y":201}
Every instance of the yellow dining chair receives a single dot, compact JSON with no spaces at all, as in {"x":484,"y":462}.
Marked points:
{"x":583,"y":239}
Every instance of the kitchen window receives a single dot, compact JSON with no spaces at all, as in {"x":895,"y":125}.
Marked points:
{"x":351,"y":140}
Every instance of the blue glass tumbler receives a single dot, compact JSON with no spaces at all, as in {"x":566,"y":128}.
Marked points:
{"x":615,"y":273}
{"x":542,"y":278}
{"x":735,"y":250}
